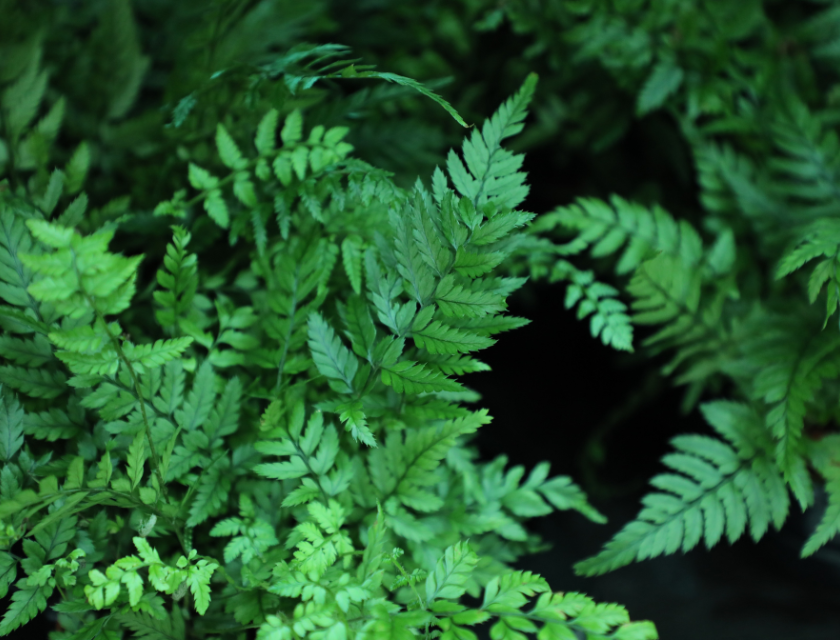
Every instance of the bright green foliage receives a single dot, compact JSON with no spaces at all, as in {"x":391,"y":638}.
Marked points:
{"x":122,"y":581}
{"x":359,"y":307}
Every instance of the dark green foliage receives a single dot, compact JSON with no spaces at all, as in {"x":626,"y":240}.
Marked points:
{"x":235,"y":321}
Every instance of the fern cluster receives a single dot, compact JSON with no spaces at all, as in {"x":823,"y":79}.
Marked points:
{"x":310,"y":385}
{"x":233,"y":344}
{"x":729,"y":297}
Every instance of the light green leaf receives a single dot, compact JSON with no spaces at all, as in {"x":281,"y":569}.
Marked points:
{"x":332,"y":358}
{"x":292,"y":128}
{"x":76,"y":169}
{"x":228,"y":151}
{"x":50,"y":233}
{"x":664,"y":80}
{"x":157,"y":354}
{"x":266,"y":138}
{"x":137,"y":455}
{"x":351,"y":253}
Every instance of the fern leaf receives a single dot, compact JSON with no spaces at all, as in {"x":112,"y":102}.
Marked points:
{"x":229,"y":153}
{"x":53,"y":191}
{"x":806,"y":172}
{"x":413,"y":377}
{"x":125,"y":64}
{"x":829,"y":525}
{"x":292,"y":131}
{"x":21,"y":100}
{"x":473,"y":265}
{"x":665,"y":79}
{"x":137,"y":454}
{"x":300,"y":449}
{"x":37,"y":383}
{"x":8,"y":570}
{"x":199,"y":402}
{"x":666,"y":292}
{"x":398,"y":468}
{"x":51,"y":234}
{"x":50,"y":425}
{"x":11,"y":425}
{"x":489,"y":325}
{"x":27,"y":602}
{"x":439,"y":338}
{"x":351,"y":72}
{"x":455,"y":365}
{"x":360,"y":328}
{"x":351,"y":253}
{"x":212,"y":492}
{"x":333,"y":359}
{"x":14,"y":240}
{"x":609,"y":318}
{"x":786,"y":360}
{"x":157,"y":354}
{"x":460,"y":301}
{"x":146,"y":627}
{"x":179,"y":280}
{"x":821,"y":239}
{"x":713,"y":486}
{"x":604,"y":228}
{"x":507,"y":593}
{"x":198,"y":581}
{"x":410,"y":263}
{"x":493,"y":171}
{"x":266,"y":138}
{"x":500,"y":226}
{"x":451,"y":574}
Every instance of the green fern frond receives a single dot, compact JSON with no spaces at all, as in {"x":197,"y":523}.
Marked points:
{"x":147,"y":627}
{"x":826,"y":459}
{"x":668,"y":293}
{"x":808,"y":172}
{"x":331,"y":357}
{"x":212,"y":492}
{"x":451,"y":573}
{"x":493,"y":171}
{"x":533,"y":497}
{"x":27,"y":602}
{"x":719,"y":488}
{"x":604,"y":228}
{"x":785,"y":362}
{"x":403,"y":469}
{"x":178,"y":280}
{"x":609,"y":319}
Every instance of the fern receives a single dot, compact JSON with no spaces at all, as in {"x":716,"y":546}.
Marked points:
{"x":359,"y":307}
{"x":604,"y":228}
{"x":829,"y":525}
{"x":178,"y":280}
{"x":492,"y":169}
{"x":719,"y":488}
{"x":786,"y":361}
